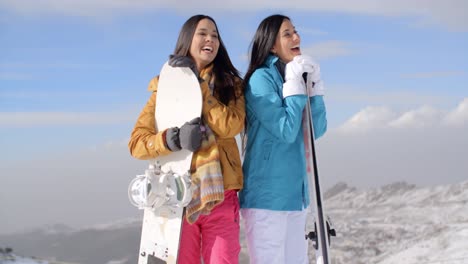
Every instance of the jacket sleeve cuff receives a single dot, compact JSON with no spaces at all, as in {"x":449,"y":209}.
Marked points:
{"x":293,"y":87}
{"x":160,"y":142}
{"x":317,"y":89}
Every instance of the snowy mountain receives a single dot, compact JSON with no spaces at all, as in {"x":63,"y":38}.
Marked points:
{"x":22,"y":260}
{"x":7,"y":257}
{"x":400,"y":223}
{"x":397,"y":223}
{"x":13,"y":259}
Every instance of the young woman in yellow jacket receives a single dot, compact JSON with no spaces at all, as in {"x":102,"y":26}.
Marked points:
{"x":211,"y":233}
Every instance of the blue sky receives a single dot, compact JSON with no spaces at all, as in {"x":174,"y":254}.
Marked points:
{"x":73,"y":78}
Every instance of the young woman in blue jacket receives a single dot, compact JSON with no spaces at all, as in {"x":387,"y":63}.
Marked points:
{"x":275,"y":196}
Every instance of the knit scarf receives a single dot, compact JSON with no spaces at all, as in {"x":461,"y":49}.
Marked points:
{"x":206,"y":174}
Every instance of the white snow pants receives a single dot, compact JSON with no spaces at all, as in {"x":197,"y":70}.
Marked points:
{"x":275,"y":237}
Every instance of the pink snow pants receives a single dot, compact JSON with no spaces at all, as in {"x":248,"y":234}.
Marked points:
{"x":215,"y":237}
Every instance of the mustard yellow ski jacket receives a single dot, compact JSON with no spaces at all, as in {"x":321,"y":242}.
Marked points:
{"x":226,"y":121}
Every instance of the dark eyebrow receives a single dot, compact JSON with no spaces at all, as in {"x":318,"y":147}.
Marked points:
{"x":294,"y":29}
{"x":205,"y":29}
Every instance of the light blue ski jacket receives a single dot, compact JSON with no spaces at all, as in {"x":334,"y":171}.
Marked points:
{"x":274,"y":164}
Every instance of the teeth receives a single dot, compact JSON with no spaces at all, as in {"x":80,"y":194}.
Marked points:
{"x":208,"y":48}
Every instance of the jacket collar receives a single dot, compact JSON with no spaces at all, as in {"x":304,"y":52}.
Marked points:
{"x":274,"y":61}
{"x":207,"y":72}
{"x":271,"y":59}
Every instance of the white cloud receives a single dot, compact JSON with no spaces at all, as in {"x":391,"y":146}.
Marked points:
{"x":422,"y":117}
{"x":459,"y":115}
{"x":368,"y":118}
{"x":375,"y":118}
{"x":328,"y":49}
{"x":450,"y":13}
{"x":35,"y":119}
{"x":423,"y":156}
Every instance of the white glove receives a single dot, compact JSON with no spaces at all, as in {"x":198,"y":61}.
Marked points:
{"x":296,"y":67}
{"x":314,"y":83}
{"x":294,"y":83}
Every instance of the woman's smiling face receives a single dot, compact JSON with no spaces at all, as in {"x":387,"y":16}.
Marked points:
{"x":205,"y":43}
{"x":287,"y":44}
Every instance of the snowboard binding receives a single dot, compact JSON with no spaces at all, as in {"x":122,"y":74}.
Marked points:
{"x":156,"y":188}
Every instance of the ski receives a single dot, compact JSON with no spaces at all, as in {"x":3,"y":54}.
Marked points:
{"x":320,"y":236}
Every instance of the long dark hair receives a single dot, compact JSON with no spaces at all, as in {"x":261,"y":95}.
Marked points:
{"x":223,"y":68}
{"x":260,"y":48}
{"x":263,"y":42}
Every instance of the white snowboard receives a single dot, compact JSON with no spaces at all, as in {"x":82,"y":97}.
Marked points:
{"x":178,"y":100}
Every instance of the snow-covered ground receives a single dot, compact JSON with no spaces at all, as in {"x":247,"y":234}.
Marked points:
{"x":14,"y":259}
{"x":400,"y":223}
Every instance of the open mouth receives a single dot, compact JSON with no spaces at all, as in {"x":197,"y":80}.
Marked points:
{"x":207,"y":49}
{"x":296,"y":49}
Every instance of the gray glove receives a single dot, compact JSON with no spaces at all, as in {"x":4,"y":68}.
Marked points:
{"x":172,"y":139}
{"x":190,"y":135}
{"x":184,"y":61}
